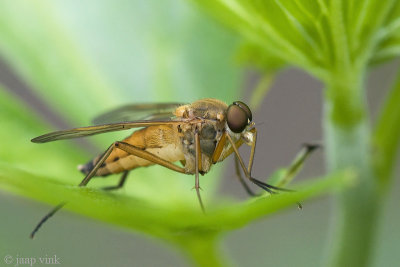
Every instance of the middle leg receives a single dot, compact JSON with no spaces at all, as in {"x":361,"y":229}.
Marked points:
{"x":121,"y":183}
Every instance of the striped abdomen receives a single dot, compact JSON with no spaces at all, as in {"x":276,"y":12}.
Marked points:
{"x":162,"y":141}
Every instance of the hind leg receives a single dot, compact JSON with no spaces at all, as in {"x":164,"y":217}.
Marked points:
{"x":121,"y":183}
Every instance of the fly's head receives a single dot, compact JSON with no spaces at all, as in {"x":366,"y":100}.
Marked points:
{"x":238,"y":117}
{"x":239,"y":120}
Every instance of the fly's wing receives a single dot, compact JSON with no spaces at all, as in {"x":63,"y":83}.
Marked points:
{"x":98,"y":129}
{"x":145,"y":111}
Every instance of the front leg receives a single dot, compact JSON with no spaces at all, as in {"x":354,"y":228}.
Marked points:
{"x":267,"y":187}
{"x":220,"y":146}
{"x":198,"y":167}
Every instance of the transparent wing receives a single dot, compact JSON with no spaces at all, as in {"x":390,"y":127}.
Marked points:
{"x":98,"y":129}
{"x":133,"y":112}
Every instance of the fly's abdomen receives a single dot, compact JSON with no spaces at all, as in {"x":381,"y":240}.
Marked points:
{"x":158,"y":140}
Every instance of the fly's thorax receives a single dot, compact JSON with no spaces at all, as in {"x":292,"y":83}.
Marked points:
{"x":208,"y":108}
{"x":209,"y":134}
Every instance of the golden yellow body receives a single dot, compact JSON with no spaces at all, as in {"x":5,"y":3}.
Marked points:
{"x":172,"y":142}
{"x":162,"y":141}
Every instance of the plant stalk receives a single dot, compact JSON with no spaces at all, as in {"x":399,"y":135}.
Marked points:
{"x":203,"y":250}
{"x":347,"y":139}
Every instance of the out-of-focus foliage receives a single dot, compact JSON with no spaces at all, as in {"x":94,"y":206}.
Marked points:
{"x":313,"y":34}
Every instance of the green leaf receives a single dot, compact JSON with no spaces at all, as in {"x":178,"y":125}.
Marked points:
{"x":386,"y":137}
{"x":166,"y":222}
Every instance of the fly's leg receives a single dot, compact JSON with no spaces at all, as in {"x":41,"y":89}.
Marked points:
{"x":98,"y":164}
{"x":293,"y":170}
{"x":198,"y":163}
{"x":157,"y":160}
{"x":267,"y":187}
{"x":83,"y":183}
{"x":249,"y":165}
{"x":121,"y":183}
{"x":218,"y":151}
{"x":138,"y":152}
{"x":241,"y":180}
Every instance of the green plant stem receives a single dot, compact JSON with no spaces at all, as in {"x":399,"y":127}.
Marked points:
{"x":347,"y":138}
{"x":203,"y":250}
{"x":261,"y":89}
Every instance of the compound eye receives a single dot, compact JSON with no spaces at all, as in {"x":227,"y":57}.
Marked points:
{"x":238,"y":116}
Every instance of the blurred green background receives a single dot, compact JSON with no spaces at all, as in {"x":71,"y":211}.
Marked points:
{"x":64,"y":62}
